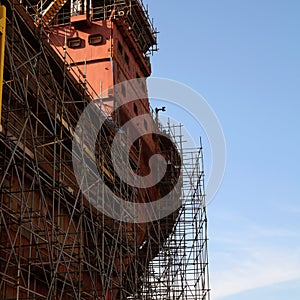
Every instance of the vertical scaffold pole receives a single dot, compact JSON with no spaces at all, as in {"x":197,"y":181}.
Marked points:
{"x":2,"y":48}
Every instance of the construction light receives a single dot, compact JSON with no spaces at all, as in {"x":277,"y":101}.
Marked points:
{"x":74,"y":42}
{"x":95,"y":39}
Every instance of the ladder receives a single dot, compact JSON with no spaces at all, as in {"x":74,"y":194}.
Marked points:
{"x":51,"y":11}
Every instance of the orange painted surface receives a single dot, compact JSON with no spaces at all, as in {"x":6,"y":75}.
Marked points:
{"x":106,"y":64}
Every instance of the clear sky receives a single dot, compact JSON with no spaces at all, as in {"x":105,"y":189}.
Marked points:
{"x":243,"y":57}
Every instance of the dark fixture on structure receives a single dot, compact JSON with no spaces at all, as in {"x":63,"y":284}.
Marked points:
{"x":74,"y":42}
{"x":158,"y":109}
{"x":156,"y":112}
{"x":95,"y":39}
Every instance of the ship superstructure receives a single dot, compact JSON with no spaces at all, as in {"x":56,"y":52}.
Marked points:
{"x":59,"y":57}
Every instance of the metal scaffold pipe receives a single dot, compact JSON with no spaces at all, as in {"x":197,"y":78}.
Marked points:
{"x":2,"y":48}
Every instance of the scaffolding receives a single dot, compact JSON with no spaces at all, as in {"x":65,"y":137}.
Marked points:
{"x":53,"y":243}
{"x":180,"y":270}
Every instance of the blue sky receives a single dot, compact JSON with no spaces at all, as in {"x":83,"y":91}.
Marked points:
{"x":243,"y":57}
